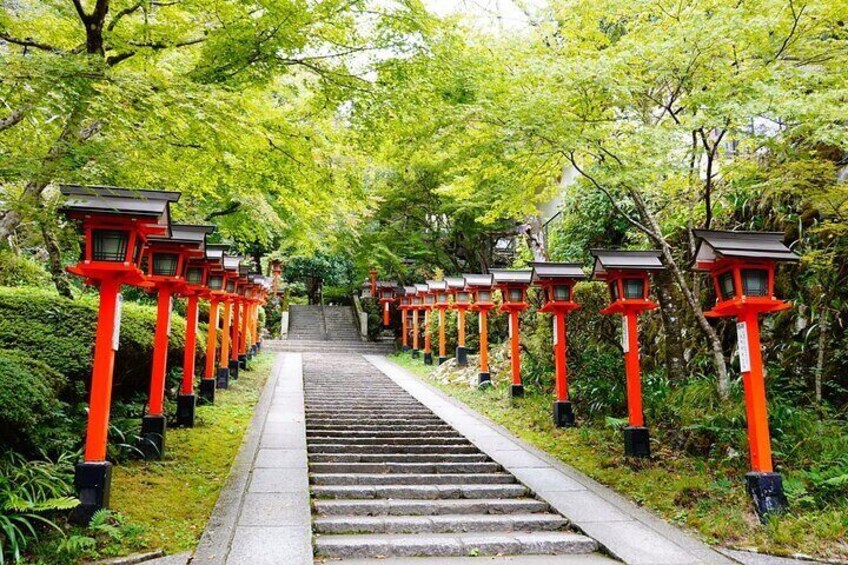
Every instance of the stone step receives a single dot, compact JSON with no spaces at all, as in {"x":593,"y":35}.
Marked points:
{"x":450,"y":545}
{"x":404,"y":468}
{"x":386,"y":448}
{"x":378,"y":428}
{"x":397,"y":457}
{"x":396,"y":507}
{"x":568,"y":559}
{"x":441,"y":440}
{"x":441,"y":523}
{"x":372,"y":434}
{"x":420,"y":492}
{"x":411,"y":478}
{"x":372,"y":421}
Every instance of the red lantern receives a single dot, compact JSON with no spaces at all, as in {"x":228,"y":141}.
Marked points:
{"x":742,"y":267}
{"x":481,"y":288}
{"x":417,"y":306}
{"x":513,"y":286}
{"x":214,"y":291}
{"x":626,"y":274}
{"x":387,"y":297}
{"x":461,"y":303}
{"x":405,"y":306}
{"x":116,"y":223}
{"x":166,"y":261}
{"x":439,"y":290}
{"x":557,"y":281}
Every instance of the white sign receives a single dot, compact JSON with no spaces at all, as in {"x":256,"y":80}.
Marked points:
{"x":170,"y":309}
{"x":744,"y":352}
{"x":510,"y":327}
{"x":556,"y":334}
{"x":116,"y":329}
{"x":625,"y":335}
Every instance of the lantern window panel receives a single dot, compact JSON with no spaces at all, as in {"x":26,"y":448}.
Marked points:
{"x":484,"y":296}
{"x":727,"y":285}
{"x":429,"y":299}
{"x":516,"y":295}
{"x":443,"y":298}
{"x":194,"y":275}
{"x":462,"y":297}
{"x":165,"y":264}
{"x":755,"y":282}
{"x":231,"y":286}
{"x":216,"y":282}
{"x":110,"y":245}
{"x":634,"y":289}
{"x":561,"y":292}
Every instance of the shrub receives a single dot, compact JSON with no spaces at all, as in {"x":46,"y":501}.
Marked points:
{"x":16,"y":270}
{"x":32,"y":415}
{"x":60,"y":333}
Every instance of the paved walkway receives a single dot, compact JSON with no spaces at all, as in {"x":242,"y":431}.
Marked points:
{"x":263,"y":514}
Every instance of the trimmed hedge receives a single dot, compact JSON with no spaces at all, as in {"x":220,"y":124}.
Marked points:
{"x":60,"y":333}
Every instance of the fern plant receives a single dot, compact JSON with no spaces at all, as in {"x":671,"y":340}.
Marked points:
{"x":29,"y":492}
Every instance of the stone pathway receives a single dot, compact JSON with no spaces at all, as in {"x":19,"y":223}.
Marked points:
{"x":390,"y":479}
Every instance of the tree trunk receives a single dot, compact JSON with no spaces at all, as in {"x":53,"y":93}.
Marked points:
{"x":534,"y":232}
{"x":54,"y":261}
{"x":824,"y":329}
{"x":672,"y":328}
{"x":719,"y":362}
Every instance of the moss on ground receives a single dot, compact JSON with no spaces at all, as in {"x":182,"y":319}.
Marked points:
{"x":705,"y":496}
{"x":171,"y":500}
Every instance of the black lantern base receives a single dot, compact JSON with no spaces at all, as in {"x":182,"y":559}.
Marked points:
{"x":766,"y":491}
{"x":152,"y":443}
{"x":93,"y":483}
{"x":637,"y":442}
{"x":516,"y":391}
{"x":428,"y":358}
{"x":462,"y":356}
{"x":223,"y":380}
{"x":185,"y":410}
{"x":242,"y":361}
{"x":416,"y":353}
{"x":442,"y":359}
{"x":564,"y":414}
{"x":234,"y":369}
{"x":484,"y":380}
{"x":249,"y":355}
{"x":404,"y":348}
{"x":207,"y":391}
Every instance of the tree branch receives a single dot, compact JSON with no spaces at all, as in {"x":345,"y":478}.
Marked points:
{"x":121,"y":14}
{"x":231,"y":208}
{"x":29,"y":43}
{"x":12,"y":119}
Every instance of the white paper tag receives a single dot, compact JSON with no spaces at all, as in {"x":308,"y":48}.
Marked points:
{"x":625,"y":335}
{"x":744,"y":352}
{"x":116,"y":330}
{"x":170,"y":309}
{"x":556,"y":334}
{"x":510,"y":327}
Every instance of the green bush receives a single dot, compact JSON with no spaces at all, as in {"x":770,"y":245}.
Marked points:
{"x":32,"y":417}
{"x":337,"y":295}
{"x":60,"y":333}
{"x":16,"y":270}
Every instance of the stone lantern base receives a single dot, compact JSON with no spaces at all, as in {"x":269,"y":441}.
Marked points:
{"x":185,"y":410}
{"x":152,"y":443}
{"x":564,"y":414}
{"x":484,"y":380}
{"x":234,"y":369}
{"x":93,"y":483}
{"x":223,"y":378}
{"x":416,"y":353}
{"x":462,"y":356}
{"x":637,"y":441}
{"x":428,"y":358}
{"x":516,"y":391}
{"x":207,"y":391}
{"x":766,"y":491}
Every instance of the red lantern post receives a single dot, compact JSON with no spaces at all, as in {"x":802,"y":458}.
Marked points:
{"x":626,"y":275}
{"x":557,"y":281}
{"x":418,"y":305}
{"x":166,"y":259}
{"x":372,"y":274}
{"x":742,"y":267}
{"x":229,"y":297}
{"x":406,"y":299}
{"x":513,"y":286}
{"x":215,"y":293}
{"x":387,"y":296}
{"x":116,"y":223}
{"x":461,"y":303}
{"x":480,"y":287}
{"x":439,"y":289}
{"x":429,"y":303}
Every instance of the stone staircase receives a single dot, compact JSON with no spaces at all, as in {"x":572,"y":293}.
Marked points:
{"x":329,"y":329}
{"x":390,"y":480}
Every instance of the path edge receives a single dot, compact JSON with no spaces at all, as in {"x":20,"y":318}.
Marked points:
{"x":214,"y":544}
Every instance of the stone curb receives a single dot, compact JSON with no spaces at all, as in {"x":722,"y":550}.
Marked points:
{"x":215,"y":541}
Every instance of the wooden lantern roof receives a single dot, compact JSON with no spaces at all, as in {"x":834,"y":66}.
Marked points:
{"x":419,"y":288}
{"x":231,"y":262}
{"x":479,"y":280}
{"x":544,"y":271}
{"x":455,"y":283}
{"x":437,"y":286}
{"x":512,"y":277}
{"x":185,"y":234}
{"x":215,"y":252}
{"x":153,"y":205}
{"x":410,"y":290}
{"x":768,"y":246}
{"x":607,"y":260}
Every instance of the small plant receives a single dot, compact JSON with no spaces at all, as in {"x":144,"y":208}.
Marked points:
{"x":29,"y":492}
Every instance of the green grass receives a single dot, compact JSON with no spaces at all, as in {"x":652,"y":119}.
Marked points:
{"x":166,"y":504}
{"x":704,"y":496}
